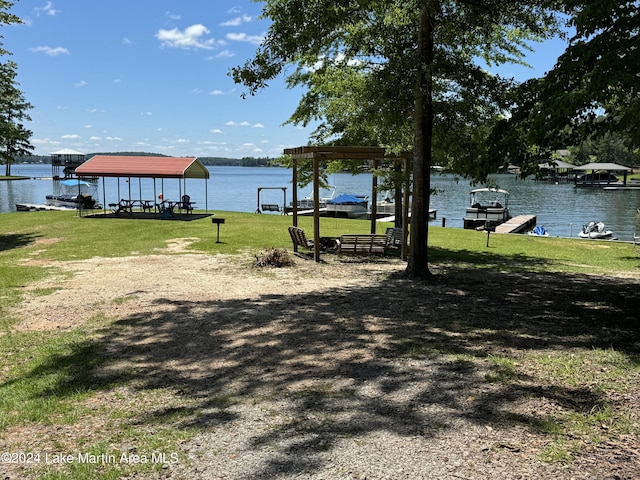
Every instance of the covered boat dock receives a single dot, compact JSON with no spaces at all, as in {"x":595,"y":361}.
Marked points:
{"x":600,"y":175}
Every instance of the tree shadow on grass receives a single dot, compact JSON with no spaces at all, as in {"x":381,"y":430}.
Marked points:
{"x":353,"y":361}
{"x":16,"y":240}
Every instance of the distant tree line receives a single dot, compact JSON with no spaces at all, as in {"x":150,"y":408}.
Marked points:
{"x":217,"y":161}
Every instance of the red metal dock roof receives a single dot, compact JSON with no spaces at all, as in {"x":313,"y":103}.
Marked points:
{"x":142,"y":166}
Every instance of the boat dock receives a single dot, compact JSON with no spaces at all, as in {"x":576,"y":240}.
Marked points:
{"x":518,"y":224}
{"x":33,"y":207}
{"x":392,"y":218}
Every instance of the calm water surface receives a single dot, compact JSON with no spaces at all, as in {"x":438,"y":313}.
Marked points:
{"x":562,"y":208}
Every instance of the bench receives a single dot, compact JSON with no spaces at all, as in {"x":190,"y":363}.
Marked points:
{"x":299,"y":238}
{"x":363,"y":243}
{"x":395,"y":237}
{"x":270,"y":207}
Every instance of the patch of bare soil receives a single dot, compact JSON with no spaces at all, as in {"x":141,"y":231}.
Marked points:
{"x":346,"y":369}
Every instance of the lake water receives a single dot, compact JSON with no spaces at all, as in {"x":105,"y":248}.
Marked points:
{"x":562,"y":208}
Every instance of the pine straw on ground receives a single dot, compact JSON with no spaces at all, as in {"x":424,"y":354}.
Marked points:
{"x":345,"y":369}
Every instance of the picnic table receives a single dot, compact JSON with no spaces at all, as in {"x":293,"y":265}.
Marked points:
{"x":146,"y":205}
{"x":123,"y":206}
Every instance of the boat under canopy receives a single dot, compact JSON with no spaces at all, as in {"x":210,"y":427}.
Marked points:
{"x":347,"y":205}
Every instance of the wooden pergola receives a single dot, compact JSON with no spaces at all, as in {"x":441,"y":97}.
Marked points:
{"x":317,"y":154}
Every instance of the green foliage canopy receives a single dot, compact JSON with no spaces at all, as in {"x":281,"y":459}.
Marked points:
{"x":593,"y":90}
{"x":401,"y":74}
{"x":598,"y":75}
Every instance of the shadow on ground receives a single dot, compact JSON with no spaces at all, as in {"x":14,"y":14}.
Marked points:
{"x":16,"y":240}
{"x":367,"y":358}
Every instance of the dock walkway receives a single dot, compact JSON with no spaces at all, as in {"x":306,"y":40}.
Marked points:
{"x":35,"y":207}
{"x":517,"y":224}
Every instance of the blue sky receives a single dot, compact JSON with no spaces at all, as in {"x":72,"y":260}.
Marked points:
{"x":152,"y":76}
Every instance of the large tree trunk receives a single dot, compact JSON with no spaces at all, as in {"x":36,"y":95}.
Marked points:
{"x":418,"y":262}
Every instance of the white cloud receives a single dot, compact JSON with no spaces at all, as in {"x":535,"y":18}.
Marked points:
{"x":217,"y":92}
{"x":46,"y":10}
{"x":243,"y":37}
{"x":231,"y":123}
{"x":215,"y":130}
{"x":81,"y":83}
{"x":44,"y":141}
{"x":172,"y":16}
{"x":71,"y":137}
{"x":126,"y":41}
{"x":225,"y":54}
{"x":146,"y":113}
{"x":114,"y":139}
{"x":88,"y":126}
{"x":192,"y":37}
{"x":52,"y":52}
{"x":234,"y":22}
{"x":94,"y":138}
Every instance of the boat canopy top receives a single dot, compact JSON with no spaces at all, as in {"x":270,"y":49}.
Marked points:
{"x":76,"y":182}
{"x":608,"y":167}
{"x":346,"y":199}
{"x":491,"y":190}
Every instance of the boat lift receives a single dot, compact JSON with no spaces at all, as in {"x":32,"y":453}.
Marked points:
{"x":272,"y":207}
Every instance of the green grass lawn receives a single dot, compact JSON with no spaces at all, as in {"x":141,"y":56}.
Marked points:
{"x":64,"y":236}
{"x":46,"y":377}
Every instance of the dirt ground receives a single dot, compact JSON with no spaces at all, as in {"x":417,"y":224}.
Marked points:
{"x":346,"y":369}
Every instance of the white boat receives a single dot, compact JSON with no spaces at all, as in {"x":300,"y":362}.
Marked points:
{"x":386,"y":207}
{"x":595,"y":230}
{"x":346,"y":205}
{"x":480,"y":211}
{"x":307,"y":202}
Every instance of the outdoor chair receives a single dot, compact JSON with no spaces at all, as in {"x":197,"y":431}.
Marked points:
{"x":185,"y":204}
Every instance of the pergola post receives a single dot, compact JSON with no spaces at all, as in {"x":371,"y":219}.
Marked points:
{"x":316,"y":209}
{"x":374,"y":197}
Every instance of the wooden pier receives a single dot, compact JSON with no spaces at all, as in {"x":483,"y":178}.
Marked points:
{"x":518,"y":224}
{"x":36,"y":207}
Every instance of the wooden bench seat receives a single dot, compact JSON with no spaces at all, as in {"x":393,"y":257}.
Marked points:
{"x":270,"y":207}
{"x":299,"y":238}
{"x":363,"y":243}
{"x":395,"y":237}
